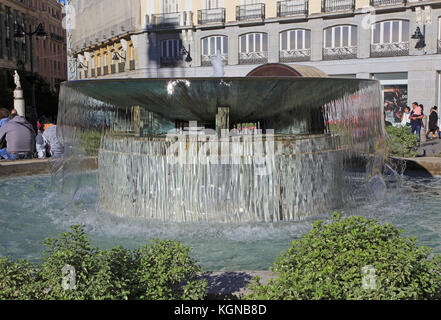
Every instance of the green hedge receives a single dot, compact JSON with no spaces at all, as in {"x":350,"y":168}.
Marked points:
{"x":329,"y":263}
{"x":159,"y":271}
{"x":401,"y":142}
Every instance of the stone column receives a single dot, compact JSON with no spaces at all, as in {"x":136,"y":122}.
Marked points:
{"x":316,"y":39}
{"x":19,"y":102}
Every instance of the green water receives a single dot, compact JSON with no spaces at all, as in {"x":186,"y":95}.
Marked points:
{"x":31,"y":210}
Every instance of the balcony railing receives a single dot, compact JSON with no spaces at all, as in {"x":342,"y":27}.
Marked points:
{"x":105,"y":70}
{"x":337,"y":5}
{"x":292,"y":8}
{"x":211,"y":16}
{"x":132,"y":65}
{"x":380,"y":3}
{"x":339,"y":53}
{"x":250,"y":12}
{"x":98,"y":72}
{"x":253,"y":57}
{"x":390,"y":49}
{"x":92,"y":73}
{"x":206,"y":59}
{"x":295,"y":55}
{"x":170,"y":62}
{"x":121,"y":67}
{"x":171,"y":20}
{"x":112,"y":68}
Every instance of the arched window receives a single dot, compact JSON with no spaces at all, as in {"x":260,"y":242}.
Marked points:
{"x":295,"y":45}
{"x":390,"y":38}
{"x":340,"y":42}
{"x":211,"y":46}
{"x":253,"y":48}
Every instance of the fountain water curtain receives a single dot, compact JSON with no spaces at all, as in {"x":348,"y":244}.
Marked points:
{"x":224,"y":149}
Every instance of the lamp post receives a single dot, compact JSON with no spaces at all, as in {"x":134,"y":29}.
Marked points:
{"x":39,"y":32}
{"x":188,"y":59}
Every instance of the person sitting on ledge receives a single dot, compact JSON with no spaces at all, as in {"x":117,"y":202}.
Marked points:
{"x":50,"y":140}
{"x":19,"y":136}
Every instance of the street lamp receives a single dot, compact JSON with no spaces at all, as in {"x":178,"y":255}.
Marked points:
{"x":184,"y":51}
{"x":41,"y":33}
{"x":116,"y":56}
{"x":420,"y":37}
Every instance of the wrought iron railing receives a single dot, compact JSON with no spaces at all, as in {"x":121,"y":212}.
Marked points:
{"x":112,"y":68}
{"x":206,"y":59}
{"x":209,"y":16}
{"x":339,"y":53}
{"x":92,"y":73}
{"x":168,"y":20}
{"x":169,"y":62}
{"x":295,"y":55}
{"x":379,"y":3}
{"x":132,"y":65}
{"x":291,"y":8}
{"x":250,"y":12}
{"x":337,"y":5}
{"x":105,"y":70}
{"x":98,"y":72}
{"x":253,"y":57}
{"x":390,"y":49}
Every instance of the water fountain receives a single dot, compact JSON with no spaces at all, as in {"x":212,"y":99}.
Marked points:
{"x":225,"y":149}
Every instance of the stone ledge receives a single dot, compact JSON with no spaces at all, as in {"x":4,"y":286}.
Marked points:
{"x":423,"y":166}
{"x":20,"y":168}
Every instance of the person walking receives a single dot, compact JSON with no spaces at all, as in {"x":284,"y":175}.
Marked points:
{"x":19,"y":136}
{"x":416,"y":120}
{"x":433,"y":122}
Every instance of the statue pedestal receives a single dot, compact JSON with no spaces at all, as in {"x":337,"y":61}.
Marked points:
{"x":19,"y":102}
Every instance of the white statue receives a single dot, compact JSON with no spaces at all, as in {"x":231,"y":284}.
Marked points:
{"x":17,"y":80}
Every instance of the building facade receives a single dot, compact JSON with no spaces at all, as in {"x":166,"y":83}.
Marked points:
{"x":345,"y":38}
{"x":49,"y":53}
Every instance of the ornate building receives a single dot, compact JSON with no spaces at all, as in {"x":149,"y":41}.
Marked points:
{"x":49,"y":53}
{"x":352,"y":38}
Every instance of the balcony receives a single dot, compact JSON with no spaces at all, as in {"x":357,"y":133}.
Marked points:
{"x":171,"y":62}
{"x":389,"y":49}
{"x":339,"y":53}
{"x":206,"y":59}
{"x":337,"y":5}
{"x":292,"y":8}
{"x":253,"y":57}
{"x":296,"y":55}
{"x":250,"y":12}
{"x":173,"y":20}
{"x":211,"y":16}
{"x":121,"y":67}
{"x":383,"y":3}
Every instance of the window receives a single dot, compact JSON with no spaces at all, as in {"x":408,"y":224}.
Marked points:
{"x":212,"y":4}
{"x":171,"y":48}
{"x":211,"y":45}
{"x":295,"y":40}
{"x":392,"y":31}
{"x":170,"y":6}
{"x":340,"y":36}
{"x":253,"y":42}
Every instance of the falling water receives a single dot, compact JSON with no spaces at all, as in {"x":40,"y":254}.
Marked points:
{"x":320,"y":141}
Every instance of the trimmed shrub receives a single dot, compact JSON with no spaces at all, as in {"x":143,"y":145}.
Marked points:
{"x":74,"y":270}
{"x":353,"y":258}
{"x":401,"y":142}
